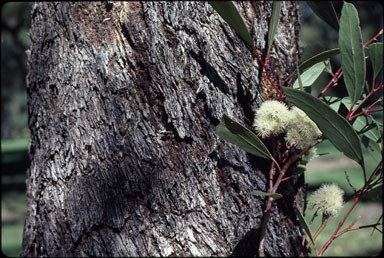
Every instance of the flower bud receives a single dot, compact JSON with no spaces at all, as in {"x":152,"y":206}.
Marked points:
{"x":328,"y":199}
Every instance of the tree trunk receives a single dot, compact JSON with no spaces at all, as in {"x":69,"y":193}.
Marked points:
{"x":124,"y":98}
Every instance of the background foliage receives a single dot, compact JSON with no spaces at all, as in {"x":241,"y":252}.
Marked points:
{"x":15,"y":21}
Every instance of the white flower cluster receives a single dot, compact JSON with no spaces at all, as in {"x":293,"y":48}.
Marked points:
{"x":328,"y":198}
{"x":310,"y":154}
{"x":302,"y":130}
{"x":274,"y":117}
{"x":271,"y":117}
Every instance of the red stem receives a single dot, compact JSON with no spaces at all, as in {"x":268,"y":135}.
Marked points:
{"x":359,"y":227}
{"x":365,"y":45}
{"x":265,"y":65}
{"x":374,"y":90}
{"x":326,"y":245}
{"x":360,"y":193}
{"x":338,"y":74}
{"x":374,"y":38}
{"x":259,"y":57}
{"x":286,"y":178}
{"x":271,"y":175}
{"x":333,"y":81}
{"x":367,"y":111}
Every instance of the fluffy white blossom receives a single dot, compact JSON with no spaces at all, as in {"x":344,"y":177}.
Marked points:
{"x":301,"y":131}
{"x":310,"y":154}
{"x":274,"y":117}
{"x":328,"y":198}
{"x":271,"y":117}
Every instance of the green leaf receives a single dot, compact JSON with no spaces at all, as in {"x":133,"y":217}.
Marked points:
{"x":275,"y":196}
{"x":343,"y":110}
{"x":372,"y":149}
{"x":339,"y":132}
{"x":325,"y":55}
{"x":370,"y":130}
{"x":352,"y":52}
{"x":374,"y":194}
{"x":310,"y":75}
{"x":319,"y":84}
{"x":240,"y":136}
{"x":273,"y":23}
{"x":375,"y":54}
{"x":229,"y":13}
{"x":326,"y":12}
{"x":320,"y":57}
{"x":304,"y":224}
{"x":298,"y":75}
{"x":379,"y":126}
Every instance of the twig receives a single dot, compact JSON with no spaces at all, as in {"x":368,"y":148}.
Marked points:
{"x":374,"y":38}
{"x":322,"y":226}
{"x":333,"y":81}
{"x":351,"y":111}
{"x":349,"y":182}
{"x":326,"y":245}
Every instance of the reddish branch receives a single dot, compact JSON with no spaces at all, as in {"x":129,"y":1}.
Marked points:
{"x":275,"y":165}
{"x":366,"y":112}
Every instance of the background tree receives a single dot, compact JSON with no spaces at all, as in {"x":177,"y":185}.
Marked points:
{"x":14,"y":41}
{"x":123,"y":102}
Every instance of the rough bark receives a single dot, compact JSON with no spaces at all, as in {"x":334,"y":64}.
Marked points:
{"x":123,"y":102}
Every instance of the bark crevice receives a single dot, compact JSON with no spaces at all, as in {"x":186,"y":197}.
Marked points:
{"x":123,"y":102}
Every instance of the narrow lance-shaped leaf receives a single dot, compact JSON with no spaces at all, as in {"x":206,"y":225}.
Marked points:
{"x":370,"y":129}
{"x":326,"y":12}
{"x":310,"y":75}
{"x":275,"y":196}
{"x":352,"y":52}
{"x":240,"y":136}
{"x":343,"y":110}
{"x":304,"y":224}
{"x":298,"y":76}
{"x":340,"y":133}
{"x":325,"y":55}
{"x":372,"y":149}
{"x":375,"y":53}
{"x":375,"y":193}
{"x":273,"y":23}
{"x":229,"y":13}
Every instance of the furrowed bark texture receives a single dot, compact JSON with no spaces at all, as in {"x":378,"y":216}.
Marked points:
{"x":123,"y":100}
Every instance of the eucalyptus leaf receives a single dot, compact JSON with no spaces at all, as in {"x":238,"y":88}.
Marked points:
{"x":298,"y":75}
{"x":325,"y":55}
{"x":326,"y":12}
{"x":310,"y":75}
{"x":343,"y":110}
{"x":240,"y":136}
{"x":375,"y":54}
{"x":275,"y":196}
{"x":273,"y":23}
{"x":373,"y":134}
{"x":318,"y":86}
{"x":322,"y":56}
{"x":379,"y":126}
{"x":335,"y":105}
{"x":339,"y":132}
{"x":367,"y":128}
{"x":352,"y":52}
{"x":372,"y":148}
{"x":345,"y":106}
{"x":304,"y":224}
{"x":374,"y":194}
{"x":229,"y":13}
